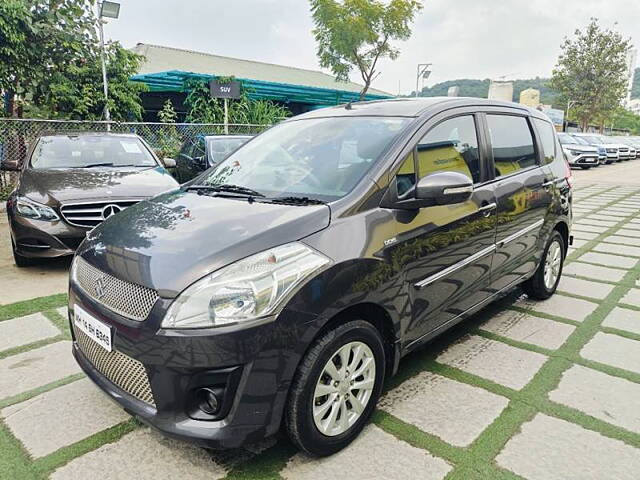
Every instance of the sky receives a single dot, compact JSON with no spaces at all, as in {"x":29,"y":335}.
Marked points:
{"x":461,"y":38}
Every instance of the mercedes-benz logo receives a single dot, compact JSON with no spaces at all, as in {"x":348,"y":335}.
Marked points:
{"x":101,"y":286}
{"x":110,"y":210}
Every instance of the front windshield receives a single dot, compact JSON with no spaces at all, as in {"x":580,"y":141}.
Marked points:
{"x":566,"y":139}
{"x":320,"y":158}
{"x":83,"y":151}
{"x":592,"y":140}
{"x":581,"y":140}
{"x":219,"y":148}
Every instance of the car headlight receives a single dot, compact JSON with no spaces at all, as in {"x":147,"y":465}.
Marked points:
{"x":575,"y":153}
{"x":245,"y":290}
{"x":30,"y":209}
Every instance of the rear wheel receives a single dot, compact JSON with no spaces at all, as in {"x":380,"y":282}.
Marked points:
{"x":336,"y":388}
{"x":544,"y":282}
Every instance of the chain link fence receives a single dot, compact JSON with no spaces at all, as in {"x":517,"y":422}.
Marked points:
{"x":16,"y":135}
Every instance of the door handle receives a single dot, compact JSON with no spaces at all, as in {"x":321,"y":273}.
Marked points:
{"x":486,"y":209}
{"x":549,"y":183}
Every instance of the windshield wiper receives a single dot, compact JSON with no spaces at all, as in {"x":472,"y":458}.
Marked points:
{"x":104,"y":164}
{"x":225,"y":187}
{"x":292,"y":200}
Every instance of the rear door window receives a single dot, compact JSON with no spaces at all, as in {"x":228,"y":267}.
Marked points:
{"x":547,"y":139}
{"x":512,"y":144}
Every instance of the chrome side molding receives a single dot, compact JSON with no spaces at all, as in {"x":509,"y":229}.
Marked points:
{"x":477,"y":256}
{"x":457,"y":266}
{"x":520,"y":233}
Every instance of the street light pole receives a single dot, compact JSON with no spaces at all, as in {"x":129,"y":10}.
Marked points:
{"x":424,"y":72}
{"x":106,"y":10}
{"x":105,"y":84}
{"x":570,"y":103}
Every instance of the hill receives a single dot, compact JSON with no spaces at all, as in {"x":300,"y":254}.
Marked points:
{"x":480,"y":88}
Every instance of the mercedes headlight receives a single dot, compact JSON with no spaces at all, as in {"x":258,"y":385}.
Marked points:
{"x":30,"y":209}
{"x":245,"y":290}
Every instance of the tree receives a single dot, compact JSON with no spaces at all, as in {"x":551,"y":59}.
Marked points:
{"x":357,"y":34}
{"x":38,"y":38}
{"x":77,"y":91}
{"x":591,"y":72}
{"x":625,"y":120}
{"x":168,"y":113}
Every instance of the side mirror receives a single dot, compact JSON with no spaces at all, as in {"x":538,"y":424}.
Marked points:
{"x":444,"y":188}
{"x":169,"y":162}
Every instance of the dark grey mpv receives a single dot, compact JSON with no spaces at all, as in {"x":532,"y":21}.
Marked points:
{"x":281,"y":287}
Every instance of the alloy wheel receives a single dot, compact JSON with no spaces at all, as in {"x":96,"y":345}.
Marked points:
{"x":344,"y":388}
{"x":552,"y":264}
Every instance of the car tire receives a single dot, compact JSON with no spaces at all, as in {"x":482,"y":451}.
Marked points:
{"x":585,"y":167}
{"x":325,"y":433}
{"x":21,"y":261}
{"x":541,"y":286}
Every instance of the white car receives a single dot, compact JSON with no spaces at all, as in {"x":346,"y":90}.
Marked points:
{"x":578,"y":155}
{"x":624,"y":153}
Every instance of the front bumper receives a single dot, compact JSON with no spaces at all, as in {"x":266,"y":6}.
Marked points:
{"x":584,"y":160}
{"x":41,"y":239}
{"x":256,"y":365}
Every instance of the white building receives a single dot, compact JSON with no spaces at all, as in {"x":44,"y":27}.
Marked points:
{"x":499,"y":90}
{"x":631,"y":70}
{"x":634,"y":106}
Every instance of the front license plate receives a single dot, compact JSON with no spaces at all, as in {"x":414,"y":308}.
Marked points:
{"x":94,"y":328}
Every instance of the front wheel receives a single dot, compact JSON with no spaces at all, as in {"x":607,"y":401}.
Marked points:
{"x":336,"y":388}
{"x":544,"y":282}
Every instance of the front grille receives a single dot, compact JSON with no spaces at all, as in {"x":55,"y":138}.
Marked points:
{"x":120,"y":369}
{"x":89,"y":215}
{"x":612,"y":150}
{"x":125,"y":298}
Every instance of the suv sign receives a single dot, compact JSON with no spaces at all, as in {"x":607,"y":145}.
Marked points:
{"x":224,"y":90}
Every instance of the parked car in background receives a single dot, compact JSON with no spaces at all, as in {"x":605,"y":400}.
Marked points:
{"x":602,"y":150}
{"x":634,"y":146}
{"x":202,"y":152}
{"x":70,"y":183}
{"x":282,"y":287}
{"x":596,"y":140}
{"x":579,"y":155}
{"x":623,"y":150}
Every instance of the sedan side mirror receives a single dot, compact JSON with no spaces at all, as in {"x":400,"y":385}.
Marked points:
{"x":444,"y":188}
{"x":169,"y":162}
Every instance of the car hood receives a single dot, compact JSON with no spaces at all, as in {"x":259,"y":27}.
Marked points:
{"x":172,"y":240}
{"x":61,"y":185}
{"x":581,"y":148}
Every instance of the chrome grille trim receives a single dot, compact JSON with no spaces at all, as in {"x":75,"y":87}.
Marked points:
{"x":124,"y":298}
{"x":89,"y":214}
{"x":125,"y":372}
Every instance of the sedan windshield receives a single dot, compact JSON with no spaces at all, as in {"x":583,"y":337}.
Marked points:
{"x":86,"y":151}
{"x":321,"y":158}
